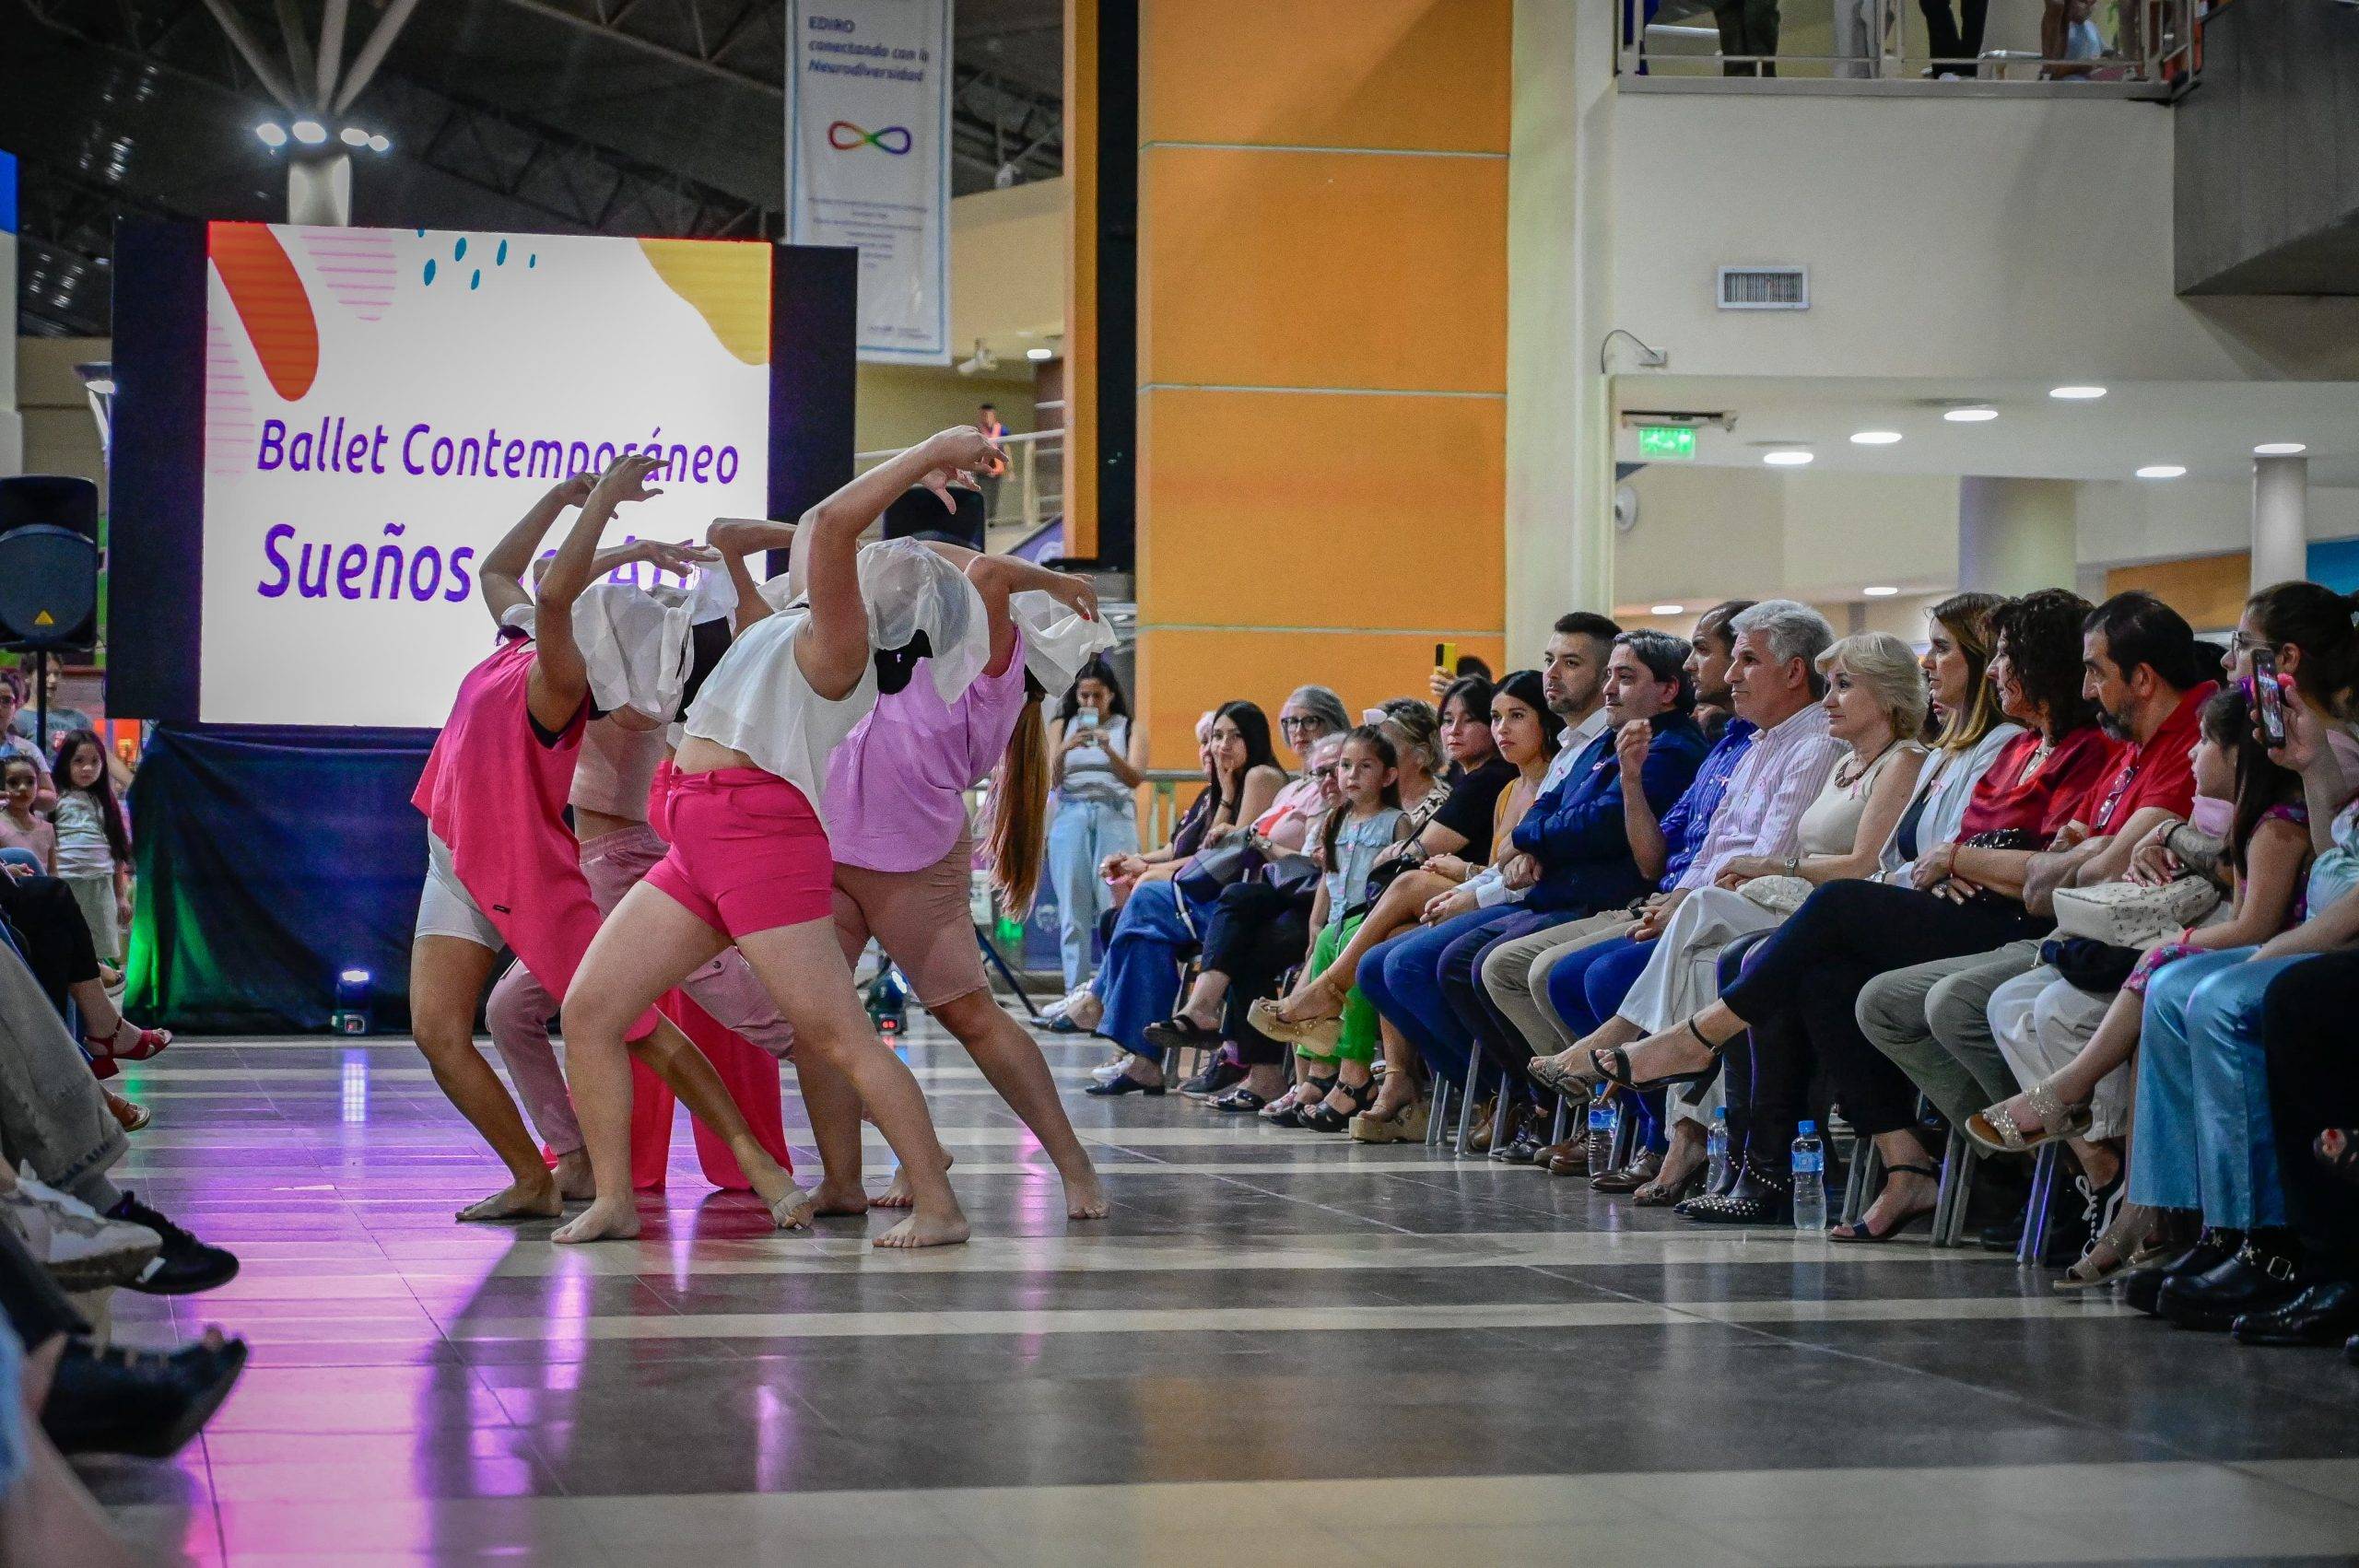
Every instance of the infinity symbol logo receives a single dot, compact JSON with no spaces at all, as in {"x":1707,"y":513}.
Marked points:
{"x":844,"y":136}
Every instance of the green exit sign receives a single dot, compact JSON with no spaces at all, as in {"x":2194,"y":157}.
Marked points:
{"x":1674,"y":443}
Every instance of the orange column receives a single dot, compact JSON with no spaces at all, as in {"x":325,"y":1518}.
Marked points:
{"x":1323,"y":308}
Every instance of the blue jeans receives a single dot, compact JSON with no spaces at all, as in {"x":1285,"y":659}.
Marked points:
{"x":1081,"y":835}
{"x":2204,"y":1138}
{"x":1139,"y":982}
{"x":1402,"y":977}
{"x":1461,"y":983}
{"x":1586,"y":988}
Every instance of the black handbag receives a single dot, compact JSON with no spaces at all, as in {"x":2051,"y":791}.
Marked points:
{"x":2099,"y":967}
{"x":1294,"y":876}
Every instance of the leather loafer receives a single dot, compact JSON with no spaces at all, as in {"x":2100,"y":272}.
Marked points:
{"x":2143,"y":1288}
{"x":1569,"y":1158}
{"x":1522,"y":1149}
{"x":2324,"y":1314}
{"x":2257,"y":1279}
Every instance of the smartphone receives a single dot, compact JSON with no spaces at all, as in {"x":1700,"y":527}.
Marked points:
{"x":2267,"y":697}
{"x":1446,"y":658}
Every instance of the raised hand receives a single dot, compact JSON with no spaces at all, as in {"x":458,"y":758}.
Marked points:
{"x":625,"y":479}
{"x":1077,"y":593}
{"x":962,"y":447}
{"x":575,"y":488}
{"x":679,"y":559}
{"x":1631,"y":743}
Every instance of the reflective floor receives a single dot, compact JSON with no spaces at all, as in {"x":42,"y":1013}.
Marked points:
{"x":1281,"y":1348}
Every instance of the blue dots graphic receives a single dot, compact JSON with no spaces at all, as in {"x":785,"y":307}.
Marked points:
{"x":459,"y":251}
{"x":429,"y":269}
{"x":501,"y":259}
{"x":476,"y":281}
{"x":532,"y":261}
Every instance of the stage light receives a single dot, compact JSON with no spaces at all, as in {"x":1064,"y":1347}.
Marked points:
{"x":2161,"y":471}
{"x":351,"y":1012}
{"x":311,"y":133}
{"x":2280,"y":449}
{"x":1874,"y":437}
{"x":2077,"y":394}
{"x":379,"y":143}
{"x":1971,"y":415}
{"x":353,"y":136}
{"x":273,"y":135}
{"x":1667,"y":610}
{"x":1785,"y":459}
{"x":1878,"y":591}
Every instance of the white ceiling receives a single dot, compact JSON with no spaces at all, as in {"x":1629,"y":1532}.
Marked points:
{"x":2208,"y":427}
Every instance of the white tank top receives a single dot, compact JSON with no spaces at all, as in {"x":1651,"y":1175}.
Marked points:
{"x":616,"y":768}
{"x":758,"y":701}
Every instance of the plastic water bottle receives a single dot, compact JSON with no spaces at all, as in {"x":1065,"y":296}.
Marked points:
{"x":1717,"y":1146}
{"x":1810,"y":1180}
{"x":1601,"y":1135}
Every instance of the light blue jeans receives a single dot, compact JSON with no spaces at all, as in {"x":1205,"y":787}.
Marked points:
{"x":2204,"y":1139}
{"x":1081,"y":835}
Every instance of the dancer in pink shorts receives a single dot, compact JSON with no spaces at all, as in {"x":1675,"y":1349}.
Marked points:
{"x":897,"y":813}
{"x":503,"y":870}
{"x":749,"y":861}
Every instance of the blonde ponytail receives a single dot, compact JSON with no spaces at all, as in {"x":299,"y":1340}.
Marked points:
{"x":1019,"y":811}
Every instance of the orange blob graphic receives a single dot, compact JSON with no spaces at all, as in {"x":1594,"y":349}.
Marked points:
{"x":270,"y":301}
{"x":728,"y":281}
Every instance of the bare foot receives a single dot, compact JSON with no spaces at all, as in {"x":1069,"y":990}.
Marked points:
{"x":833,"y":1201}
{"x":574,"y":1182}
{"x":518,"y":1200}
{"x":926,"y":1227}
{"x":603,"y":1220}
{"x":790,"y":1206}
{"x":793,"y":1211}
{"x":1086,"y":1197}
{"x":896,"y":1193}
{"x":1087,"y":1012}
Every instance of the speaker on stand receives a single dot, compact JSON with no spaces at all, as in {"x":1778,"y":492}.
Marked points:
{"x":49,"y":573}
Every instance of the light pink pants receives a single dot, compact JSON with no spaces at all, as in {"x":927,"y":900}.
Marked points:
{"x":520,"y":1008}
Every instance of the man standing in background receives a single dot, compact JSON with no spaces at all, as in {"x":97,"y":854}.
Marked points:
{"x":987,"y":420}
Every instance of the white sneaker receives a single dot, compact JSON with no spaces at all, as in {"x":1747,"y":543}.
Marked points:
{"x":83,"y":1248}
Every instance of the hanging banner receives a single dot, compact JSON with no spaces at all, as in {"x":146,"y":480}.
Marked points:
{"x":868,"y":159}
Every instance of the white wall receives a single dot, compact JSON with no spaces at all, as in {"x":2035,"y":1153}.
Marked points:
{"x":1707,"y":534}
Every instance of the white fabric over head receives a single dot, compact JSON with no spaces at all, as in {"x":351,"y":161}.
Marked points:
{"x":1057,"y":640}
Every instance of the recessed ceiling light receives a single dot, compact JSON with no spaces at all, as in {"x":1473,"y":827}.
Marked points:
{"x":1667,"y":610}
{"x":2161,"y":471}
{"x":2077,"y":394}
{"x":1874,"y":437}
{"x":272,"y":134}
{"x":353,"y":136}
{"x":380,"y":142}
{"x":1786,"y":458}
{"x":1038,"y":355}
{"x":2280,"y":449}
{"x":1879,"y":591}
{"x":1970,"y":415}
{"x":311,"y":133}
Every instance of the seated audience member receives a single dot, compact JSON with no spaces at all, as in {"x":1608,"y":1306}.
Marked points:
{"x":2204,"y":1138}
{"x":22,"y":827}
{"x":2314,"y":1100}
{"x":1574,"y":681}
{"x":1875,"y":709}
{"x":1140,"y":979}
{"x":1515,"y":972}
{"x":1787,"y":754}
{"x":2068,"y":1042}
{"x":1526,"y":734}
{"x":13,"y":743}
{"x":46,"y":929}
{"x":1800,"y":993}
{"x":1097,"y":760}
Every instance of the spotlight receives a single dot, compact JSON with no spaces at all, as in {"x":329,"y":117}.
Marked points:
{"x":273,"y":135}
{"x":2077,"y":394}
{"x":1878,"y":591}
{"x":1039,"y":355}
{"x":351,"y":1012}
{"x":2161,"y":471}
{"x":2280,"y":449}
{"x":1971,"y":415}
{"x":353,"y":136}
{"x":1874,"y":437}
{"x":1667,"y":610}
{"x":311,"y":133}
{"x":1785,"y":459}
{"x":379,"y":143}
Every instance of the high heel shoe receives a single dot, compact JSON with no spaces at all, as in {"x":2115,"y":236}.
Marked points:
{"x":1289,"y":1109}
{"x":1760,"y":1196}
{"x":1859,"y":1233}
{"x":1613,"y":1065}
{"x":1325,"y":1118}
{"x":1994,"y":1130}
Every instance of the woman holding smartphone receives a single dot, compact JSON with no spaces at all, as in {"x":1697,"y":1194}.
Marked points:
{"x":1097,"y":760}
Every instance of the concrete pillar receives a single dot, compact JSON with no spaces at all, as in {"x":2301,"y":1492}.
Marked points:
{"x":2014,"y":536}
{"x":2281,"y":539}
{"x":319,"y":191}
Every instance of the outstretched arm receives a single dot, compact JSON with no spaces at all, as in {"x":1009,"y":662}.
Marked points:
{"x":833,"y":649}
{"x":738,"y":539}
{"x":561,"y":680}
{"x":502,"y":571}
{"x":1000,"y":578}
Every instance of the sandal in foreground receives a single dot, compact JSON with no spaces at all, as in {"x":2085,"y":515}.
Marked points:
{"x":1860,"y":1233}
{"x":1179,"y":1031}
{"x":1555,"y":1077}
{"x":1320,"y":1033}
{"x":1325,"y":1118}
{"x":1406,"y":1126}
{"x":1613,"y":1065}
{"x":1994,"y":1130}
{"x":145,"y":1043}
{"x":2114,"y":1251}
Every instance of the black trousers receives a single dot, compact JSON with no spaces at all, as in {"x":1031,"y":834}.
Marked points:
{"x":36,"y":1308}
{"x":1256,"y":934}
{"x":1802,"y":989}
{"x":2314,"y":1085}
{"x":50,"y":931}
{"x":1945,"y":39}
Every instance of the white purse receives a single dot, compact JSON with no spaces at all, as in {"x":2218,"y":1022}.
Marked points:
{"x":1779,"y":894}
{"x":2127,"y":914}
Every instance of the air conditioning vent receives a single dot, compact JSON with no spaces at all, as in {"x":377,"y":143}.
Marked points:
{"x":1765,"y":288}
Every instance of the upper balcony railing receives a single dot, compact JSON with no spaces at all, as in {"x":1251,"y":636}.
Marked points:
{"x":1015,"y":504}
{"x":2144,"y":47}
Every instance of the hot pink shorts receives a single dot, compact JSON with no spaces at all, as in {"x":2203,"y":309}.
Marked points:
{"x":747,"y":852}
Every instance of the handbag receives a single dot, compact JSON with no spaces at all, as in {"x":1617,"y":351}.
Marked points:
{"x":1778,"y":895}
{"x":1213,"y":869}
{"x":1294,"y":876}
{"x":2127,"y":914}
{"x":2100,"y":967}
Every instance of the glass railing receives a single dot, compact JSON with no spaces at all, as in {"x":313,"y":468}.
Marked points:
{"x":1018,"y":503}
{"x":2155,"y":44}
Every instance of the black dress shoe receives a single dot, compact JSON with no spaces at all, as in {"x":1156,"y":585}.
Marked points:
{"x":2143,"y":1288}
{"x":1125,"y":1084}
{"x":1759,"y":1198}
{"x":2259,"y":1279}
{"x":1521,"y":1149}
{"x":2004,"y":1236}
{"x":185,"y":1265}
{"x":2324,"y":1314}
{"x":147,"y":1404}
{"x":1219,"y":1074}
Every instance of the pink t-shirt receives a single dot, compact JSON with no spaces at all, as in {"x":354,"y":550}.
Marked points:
{"x":497,"y":795}
{"x":896,"y":790}
{"x":40,"y":839}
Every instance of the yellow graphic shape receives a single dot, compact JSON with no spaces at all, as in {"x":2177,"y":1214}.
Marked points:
{"x":45,"y":619}
{"x":728,"y":282}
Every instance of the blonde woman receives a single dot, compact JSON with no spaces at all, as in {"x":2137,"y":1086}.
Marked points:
{"x":1876,"y":705}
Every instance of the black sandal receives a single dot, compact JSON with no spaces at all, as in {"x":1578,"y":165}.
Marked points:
{"x":1178,"y":1033}
{"x":1292,"y":1116}
{"x":1861,"y":1233}
{"x":1324,"y":1118}
{"x":1238,"y":1101}
{"x":1613,"y":1065}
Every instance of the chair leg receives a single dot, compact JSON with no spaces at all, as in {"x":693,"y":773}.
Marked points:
{"x":1466,"y":1097}
{"x":1858,"y":1188}
{"x":1959,"y":1165}
{"x":1499,"y":1119}
{"x":1561,"y":1123}
{"x":1438,"y":1114}
{"x":1626,"y":1134}
{"x":2043,"y":1183}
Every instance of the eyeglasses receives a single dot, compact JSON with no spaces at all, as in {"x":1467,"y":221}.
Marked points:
{"x":2245,"y":642}
{"x":1291,"y":722}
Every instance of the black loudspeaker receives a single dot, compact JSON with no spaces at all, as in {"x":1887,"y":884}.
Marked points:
{"x":919,"y":514}
{"x":48,"y":564}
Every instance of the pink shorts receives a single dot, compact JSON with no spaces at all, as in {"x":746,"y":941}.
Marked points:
{"x":747,"y":852}
{"x":921,"y":919}
{"x":659,"y":799}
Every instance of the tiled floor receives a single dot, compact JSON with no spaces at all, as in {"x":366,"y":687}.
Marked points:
{"x":1280,"y":1348}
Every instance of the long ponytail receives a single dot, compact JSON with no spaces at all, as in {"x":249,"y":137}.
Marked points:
{"x":1017,"y":841}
